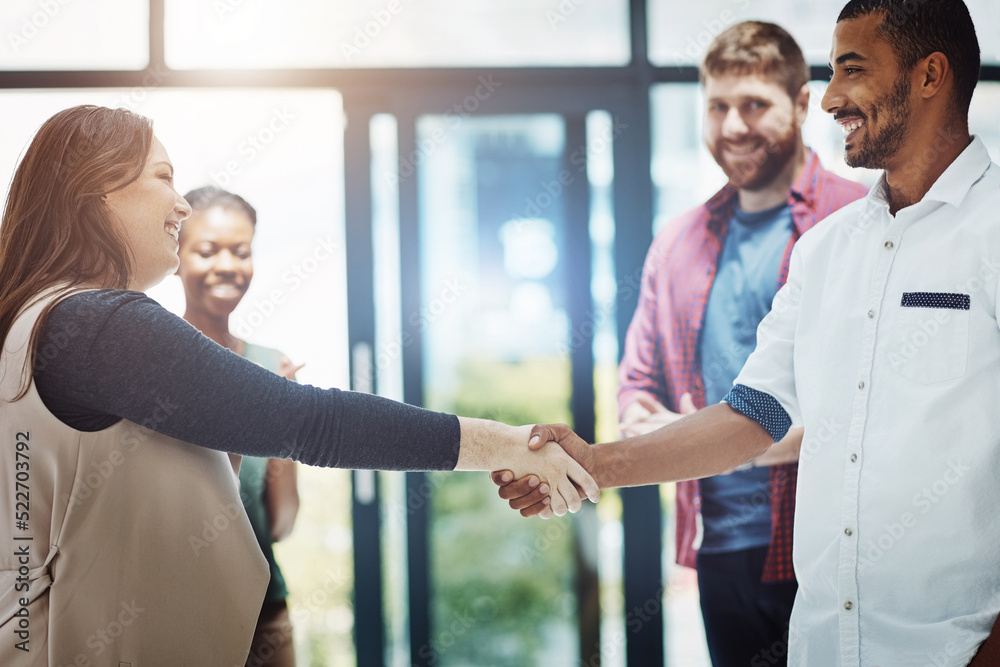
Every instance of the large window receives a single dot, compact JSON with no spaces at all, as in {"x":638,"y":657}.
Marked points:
{"x":63,"y":35}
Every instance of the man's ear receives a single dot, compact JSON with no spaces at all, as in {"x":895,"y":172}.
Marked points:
{"x":932,"y":74}
{"x":801,"y":105}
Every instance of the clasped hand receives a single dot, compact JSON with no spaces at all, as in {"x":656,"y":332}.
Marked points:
{"x":531,"y":494}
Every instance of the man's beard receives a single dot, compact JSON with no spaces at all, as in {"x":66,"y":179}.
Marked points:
{"x":759,"y":172}
{"x":875,"y":150}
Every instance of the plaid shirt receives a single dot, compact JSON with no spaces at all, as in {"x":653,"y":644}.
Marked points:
{"x":661,"y":348}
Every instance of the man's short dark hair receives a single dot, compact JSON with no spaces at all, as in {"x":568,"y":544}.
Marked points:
{"x":917,"y":28}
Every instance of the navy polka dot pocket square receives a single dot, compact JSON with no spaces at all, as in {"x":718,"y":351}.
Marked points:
{"x":935,"y":300}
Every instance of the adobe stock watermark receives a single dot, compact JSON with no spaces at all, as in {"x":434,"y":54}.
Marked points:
{"x":697,"y":44}
{"x":951,"y":653}
{"x":582,"y":334}
{"x":293,"y":278}
{"x":276,"y":636}
{"x":136,"y":95}
{"x":825,"y":433}
{"x":944,"y":140}
{"x":485,"y":610}
{"x":416,"y":498}
{"x":319,"y":596}
{"x":551,"y":191}
{"x":563,"y":11}
{"x":773,"y":654}
{"x":749,"y":507}
{"x":370,"y":30}
{"x":451,"y":291}
{"x":253,"y":145}
{"x":100,"y":471}
{"x":954,"y":653}
{"x":857,"y":228}
{"x":214,"y":527}
{"x":919,"y":337}
{"x":902,"y":11}
{"x":635,"y":620}
{"x":223,"y":8}
{"x":552,"y":534}
{"x":103,"y":638}
{"x":58,"y":341}
{"x":454,"y":116}
{"x":923,"y":502}
{"x":34,"y":22}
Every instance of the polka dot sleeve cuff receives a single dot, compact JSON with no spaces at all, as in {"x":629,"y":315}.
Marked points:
{"x":760,"y":407}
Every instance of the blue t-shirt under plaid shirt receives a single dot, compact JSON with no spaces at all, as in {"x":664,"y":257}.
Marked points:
{"x":736,"y":508}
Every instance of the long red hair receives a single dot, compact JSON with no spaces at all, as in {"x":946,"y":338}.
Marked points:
{"x":56,"y":228}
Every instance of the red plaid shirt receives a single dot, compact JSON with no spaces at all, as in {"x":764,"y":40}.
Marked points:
{"x":661,"y":355}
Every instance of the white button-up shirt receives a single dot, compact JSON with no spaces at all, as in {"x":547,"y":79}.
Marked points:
{"x":885,"y":345}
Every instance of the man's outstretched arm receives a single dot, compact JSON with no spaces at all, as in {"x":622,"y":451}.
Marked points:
{"x":708,"y":442}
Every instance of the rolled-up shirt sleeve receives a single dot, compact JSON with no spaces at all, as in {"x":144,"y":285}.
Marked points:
{"x":765,"y":389}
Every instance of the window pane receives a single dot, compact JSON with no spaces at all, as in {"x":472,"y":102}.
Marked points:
{"x":681,"y":37}
{"x":983,"y":116}
{"x":282,"y":151}
{"x":495,"y":325}
{"x":61,"y":35}
{"x":394,"y":33}
{"x":986,"y":16}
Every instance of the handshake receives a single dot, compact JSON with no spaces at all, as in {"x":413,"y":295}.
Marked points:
{"x":563,"y":471}
{"x":564,"y":468}
{"x":557,"y":469}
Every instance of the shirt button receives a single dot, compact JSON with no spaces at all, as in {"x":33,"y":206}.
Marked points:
{"x":888,"y":245}
{"x":861,"y":385}
{"x":871,"y":314}
{"x":848,"y":605}
{"x":854,"y":458}
{"x":848,"y":532}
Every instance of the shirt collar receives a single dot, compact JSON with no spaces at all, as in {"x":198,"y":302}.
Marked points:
{"x":804,"y":189}
{"x":954,"y":184}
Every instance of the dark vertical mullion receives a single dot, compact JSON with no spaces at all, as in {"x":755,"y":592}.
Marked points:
{"x":639,"y":33}
{"x":579,"y":272}
{"x":418,"y":512}
{"x":641,"y":513}
{"x":369,"y":632}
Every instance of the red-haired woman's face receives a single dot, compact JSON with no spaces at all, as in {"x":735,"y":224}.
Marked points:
{"x":216,"y":264}
{"x":150,"y":212}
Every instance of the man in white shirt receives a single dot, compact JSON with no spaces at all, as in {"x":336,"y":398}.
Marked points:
{"x":885,"y":345}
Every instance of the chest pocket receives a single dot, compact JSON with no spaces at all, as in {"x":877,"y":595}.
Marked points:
{"x":930,"y":336}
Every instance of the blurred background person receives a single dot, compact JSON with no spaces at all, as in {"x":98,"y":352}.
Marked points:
{"x":216,"y":267}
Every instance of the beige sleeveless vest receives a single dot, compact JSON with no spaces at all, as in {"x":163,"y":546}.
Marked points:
{"x":121,"y":547}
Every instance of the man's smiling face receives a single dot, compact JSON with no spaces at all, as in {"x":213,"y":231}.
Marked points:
{"x":868,"y":95}
{"x":751,"y":127}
